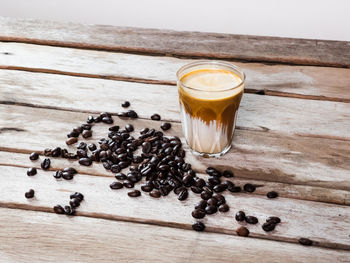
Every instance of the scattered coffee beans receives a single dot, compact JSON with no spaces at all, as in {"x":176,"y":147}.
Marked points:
{"x":45,"y":164}
{"x":31,"y":171}
{"x":34,"y":156}
{"x":29,"y":194}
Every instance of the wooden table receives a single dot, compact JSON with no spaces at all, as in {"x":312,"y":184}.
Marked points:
{"x":293,"y":136}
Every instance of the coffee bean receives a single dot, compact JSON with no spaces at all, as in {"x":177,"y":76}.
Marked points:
{"x":220,"y":188}
{"x":305,"y":241}
{"x":58,"y":209}
{"x":154,"y":194}
{"x":134,"y":193}
{"x":214,"y":180}
{"x":70,"y":170}
{"x":86,"y":126}
{"x":220,"y":198}
{"x":196,"y":190}
{"x":146,"y":147}
{"x":56,"y":152}
{"x":125,"y":104}
{"x":90,"y":119}
{"x":57,"y":174}
{"x":205,"y":195}
{"x":183,"y":195}
{"x":268,"y":226}
{"x":73,"y":134}
{"x":31,"y":171}
{"x":165,"y":126}
{"x":115,"y":168}
{"x":77,"y":195}
{"x":48,"y":152}
{"x":251,"y":220}
{"x":199,"y":183}
{"x":81,"y":153}
{"x":179,"y":189}
{"x":199,"y":226}
{"x":87,"y":134}
{"x":129,"y":128}
{"x":29,"y":194}
{"x":71,"y":140}
{"x":274,"y":219}
{"x":227,"y":174}
{"x":272,"y":194}
{"x":240,"y":216}
{"x":213,"y":172}
{"x":235,"y":189}
{"x":131,"y":114}
{"x":128,"y":184}
{"x":210,"y":209}
{"x":67,"y":176}
{"x":45,"y":164}
{"x":116,"y":185}
{"x":224,"y":208}
{"x":82,"y":146}
{"x":69,"y":210}
{"x":120,"y":176}
{"x":198,"y":213}
{"x":85,"y":161}
{"x":155,"y":117}
{"x":249,"y":188}
{"x":212,"y":201}
{"x":75,"y":202}
{"x":147,"y":188}
{"x":34,"y":156}
{"x":201,"y":204}
{"x":242,"y":231}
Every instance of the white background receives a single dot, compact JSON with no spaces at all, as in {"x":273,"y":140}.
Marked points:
{"x":320,"y":19}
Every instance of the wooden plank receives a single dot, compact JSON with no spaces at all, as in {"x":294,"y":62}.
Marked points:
{"x":326,"y":224}
{"x":168,"y":42}
{"x":262,"y":113}
{"x":303,"y":192}
{"x":320,"y":83}
{"x":255,"y":155}
{"x":50,"y":236}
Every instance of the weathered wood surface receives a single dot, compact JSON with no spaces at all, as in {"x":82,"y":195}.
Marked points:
{"x":326,"y":224}
{"x":263,"y":113}
{"x":167,"y":42}
{"x":303,"y":192}
{"x":45,"y":237}
{"x":255,"y":155}
{"x":322,"y":83}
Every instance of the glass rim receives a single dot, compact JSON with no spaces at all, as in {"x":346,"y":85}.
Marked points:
{"x":212,"y":62}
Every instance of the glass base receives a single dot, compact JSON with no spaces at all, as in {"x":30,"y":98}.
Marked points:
{"x":210,"y":155}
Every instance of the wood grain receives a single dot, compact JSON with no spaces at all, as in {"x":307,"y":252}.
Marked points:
{"x":322,"y":83}
{"x":261,"y":113}
{"x":255,"y":155}
{"x":50,"y":236}
{"x":326,"y":224}
{"x":167,"y":42}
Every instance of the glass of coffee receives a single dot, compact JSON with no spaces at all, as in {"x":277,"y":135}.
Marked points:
{"x":209,"y":93}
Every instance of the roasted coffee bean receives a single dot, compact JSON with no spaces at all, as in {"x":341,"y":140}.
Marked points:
{"x":134,"y":177}
{"x":196,"y":190}
{"x":227,"y":174}
{"x":213,"y":172}
{"x":199,"y":183}
{"x":242,"y":231}
{"x":85,"y":161}
{"x":123,"y":164}
{"x":147,"y":187}
{"x":137,"y":159}
{"x":107,"y":120}
{"x":163,"y":190}
{"x":71,"y":140}
{"x":97,"y":119}
{"x":86,"y":126}
{"x":198,"y":213}
{"x":67,"y":176}
{"x":165,"y":126}
{"x":87,"y":134}
{"x":70,"y":170}
{"x":205,"y":195}
{"x":92,"y":146}
{"x":235,"y":189}
{"x":155,"y":117}
{"x":220,"y":198}
{"x":115,"y":168}
{"x":131,"y":114}
{"x":250,"y":188}
{"x":146,"y":147}
{"x":77,"y":195}
{"x":220,"y":188}
{"x":47,"y":152}
{"x":34,"y":156}
{"x":144,"y":130}
{"x":57,"y":174}
{"x":74,"y":202}
{"x":212,"y":201}
{"x":251,"y":220}
{"x":82,"y":146}
{"x":31,"y":171}
{"x":199,"y":226}
{"x":56,"y":152}
{"x":73,"y":134}
{"x":186,"y":167}
{"x":29,"y":194}
{"x":105,"y":114}
{"x":214,"y":180}
{"x":229,"y":184}
{"x":69,"y":210}
{"x":134,"y":193}
{"x":272,"y":194}
{"x":202,"y":204}
{"x":81,"y":153}
{"x":122,"y":114}
{"x":128,"y":184}
{"x":116,"y":185}
{"x":188,"y":180}
{"x":125,"y":104}
{"x":163,"y":167}
{"x":240,"y":216}
{"x":268,"y":226}
{"x":45,"y":164}
{"x":183,"y":195}
{"x":154,"y":194}
{"x":58,"y":209}
{"x":129,"y":128}
{"x":224,"y":208}
{"x":305,"y":241}
{"x":90,"y":119}
{"x":179,"y":189}
{"x":120,"y":176}
{"x":274,"y":219}
{"x":210,"y":209}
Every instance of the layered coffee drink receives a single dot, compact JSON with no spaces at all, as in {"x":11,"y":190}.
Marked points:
{"x":209,"y":94}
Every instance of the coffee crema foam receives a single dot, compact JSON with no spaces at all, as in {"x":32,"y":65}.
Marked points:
{"x":209,"y":100}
